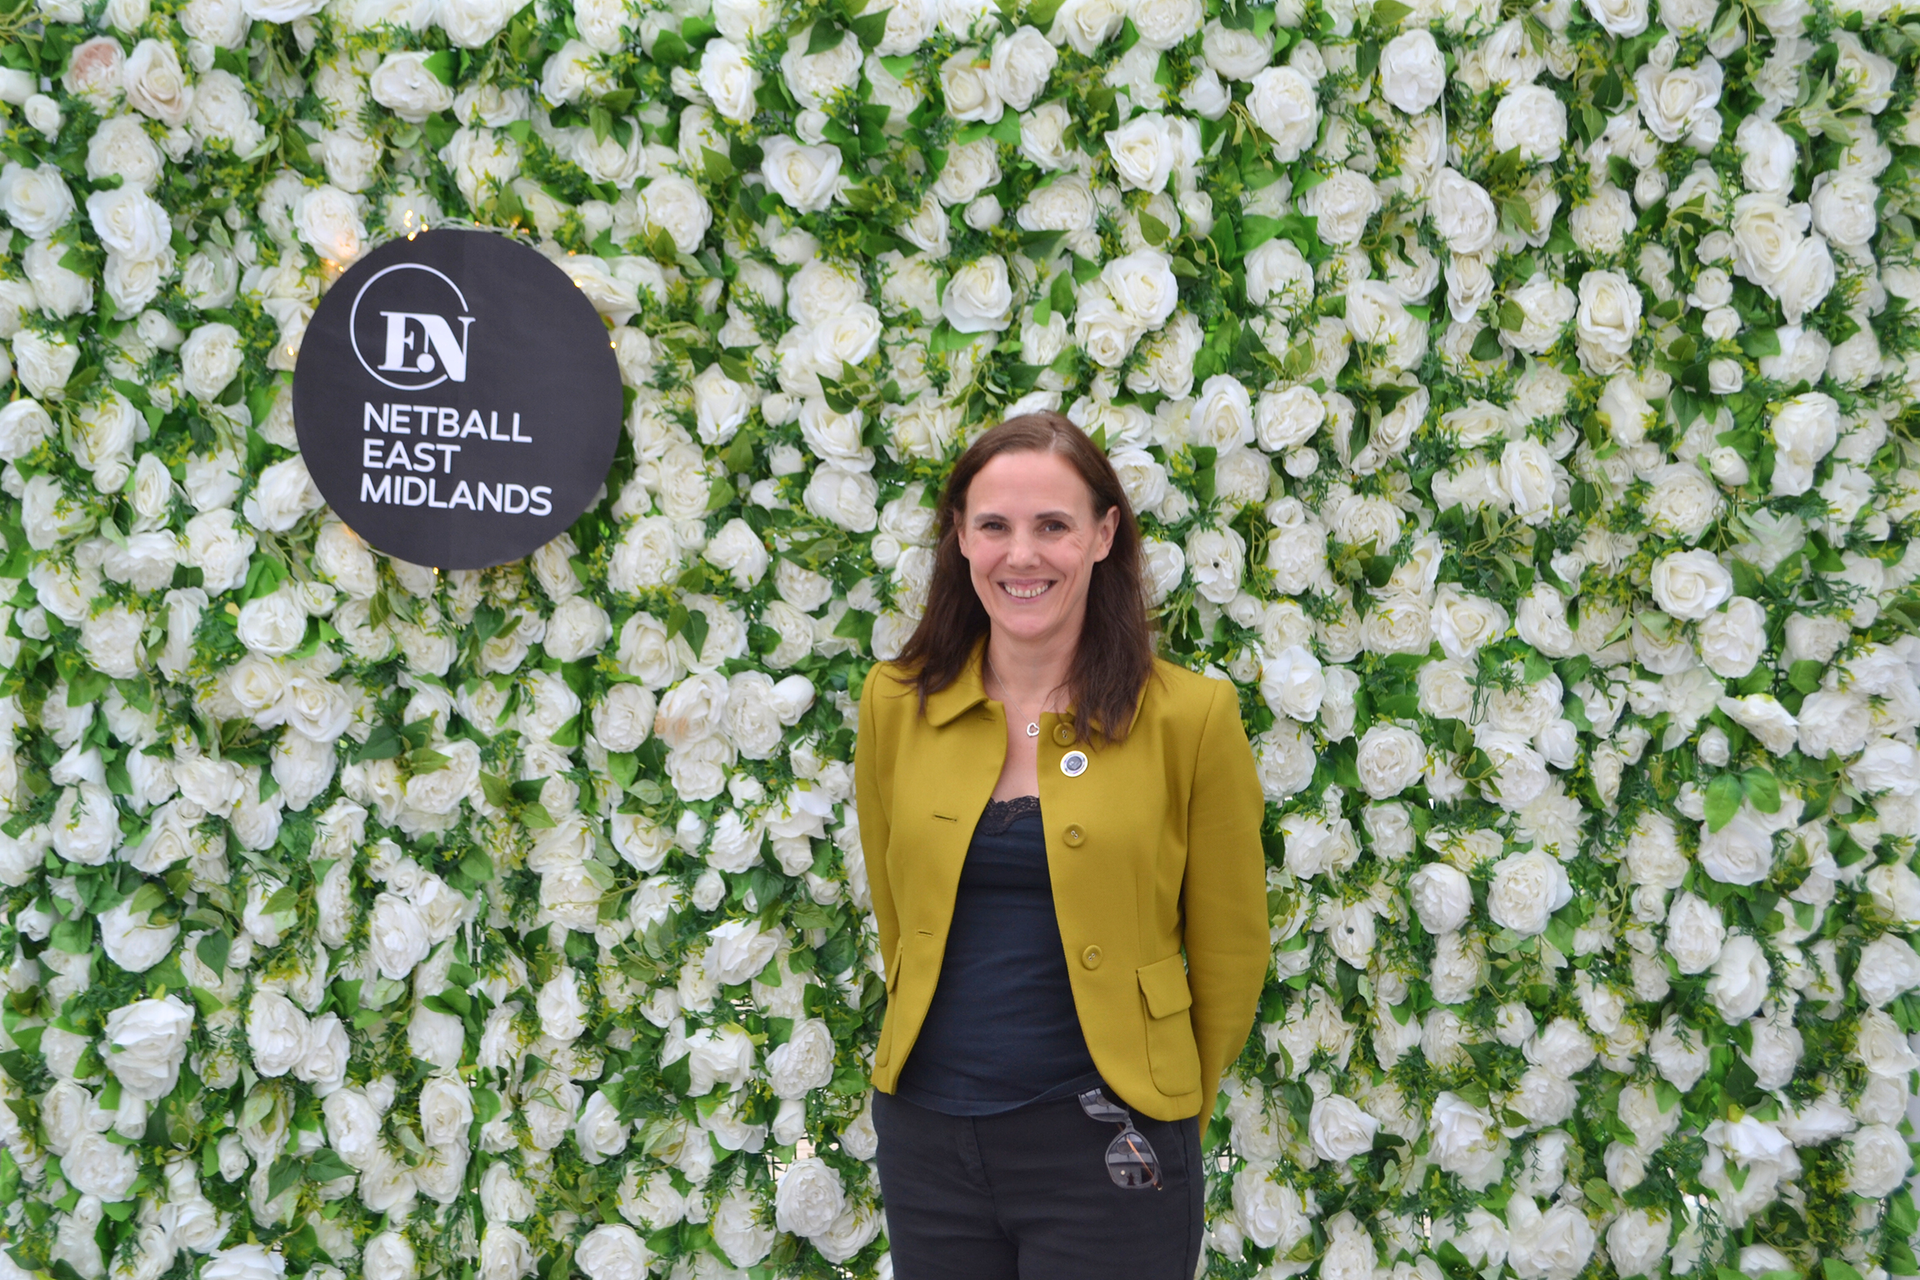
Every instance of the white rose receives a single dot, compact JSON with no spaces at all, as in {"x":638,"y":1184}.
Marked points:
{"x":404,"y":85}
{"x":729,"y":80}
{"x":614,"y":1251}
{"x":1284,"y":104}
{"x":806,"y":178}
{"x":244,"y":1262}
{"x":1527,"y":889}
{"x":1412,"y":72}
{"x":979,"y":297}
{"x":1022,"y":63}
{"x":1732,"y":639}
{"x":1532,"y":118}
{"x":127,"y":220}
{"x":1696,"y":933}
{"x":1676,"y":101}
{"x":278,"y":1034}
{"x":1462,"y":212}
{"x":1888,"y":968}
{"x":1740,"y":979}
{"x":1339,"y":1129}
{"x":1619,"y":17}
{"x":97,"y":1167}
{"x":1878,"y":1161}
{"x":398,"y":935}
{"x":804,"y":1063}
{"x":1143,"y":152}
{"x":1607,"y":321}
{"x":1805,"y":430}
{"x":1690,"y":584}
{"x":1554,"y":1245}
{"x":472,"y":23}
{"x":1441,"y":896}
{"x":1462,"y":1139}
{"x":1390,"y":759}
{"x":36,"y":201}
{"x":133,"y":941}
{"x":1293,"y":684}
{"x":329,"y":221}
{"x":145,"y":1043}
{"x":209,"y":359}
{"x":156,"y":86}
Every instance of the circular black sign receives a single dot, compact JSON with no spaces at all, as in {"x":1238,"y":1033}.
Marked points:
{"x":457,"y":399}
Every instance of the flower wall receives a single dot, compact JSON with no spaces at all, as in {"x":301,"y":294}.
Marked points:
{"x":1518,"y":400}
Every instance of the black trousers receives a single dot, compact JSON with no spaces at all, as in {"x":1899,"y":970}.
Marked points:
{"x":1025,"y":1195}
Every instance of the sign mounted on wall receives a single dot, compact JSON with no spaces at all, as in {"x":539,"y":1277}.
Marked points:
{"x":457,"y":399}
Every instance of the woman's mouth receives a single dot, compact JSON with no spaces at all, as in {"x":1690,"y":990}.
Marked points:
{"x":1027,"y":590}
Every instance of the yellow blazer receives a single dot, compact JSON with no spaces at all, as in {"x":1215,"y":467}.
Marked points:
{"x":1154,"y":849}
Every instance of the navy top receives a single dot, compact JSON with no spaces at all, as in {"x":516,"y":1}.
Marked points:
{"x":1002,"y":1030}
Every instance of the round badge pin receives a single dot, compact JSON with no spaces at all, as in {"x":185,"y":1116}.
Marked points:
{"x":1074,"y":763}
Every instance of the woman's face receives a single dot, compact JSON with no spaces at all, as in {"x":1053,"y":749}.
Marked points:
{"x":1031,"y":541}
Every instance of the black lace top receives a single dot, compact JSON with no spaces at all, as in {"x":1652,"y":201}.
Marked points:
{"x":1002,"y":1030}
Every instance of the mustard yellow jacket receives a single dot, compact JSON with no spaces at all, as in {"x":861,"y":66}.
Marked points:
{"x":1159,"y":879}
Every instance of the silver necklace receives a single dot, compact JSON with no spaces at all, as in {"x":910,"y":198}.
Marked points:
{"x":1033,"y":726}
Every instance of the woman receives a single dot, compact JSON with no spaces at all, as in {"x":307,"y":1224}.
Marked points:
{"x":1051,"y":818}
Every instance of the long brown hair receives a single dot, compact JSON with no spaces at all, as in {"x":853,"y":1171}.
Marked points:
{"x":1115,"y":654}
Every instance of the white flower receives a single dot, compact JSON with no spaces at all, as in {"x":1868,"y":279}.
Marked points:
{"x":1690,"y":584}
{"x":1527,"y":889}
{"x":1740,"y":979}
{"x":1554,"y":1245}
{"x":209,"y":359}
{"x":1412,"y":73}
{"x":1532,"y":119}
{"x":979,"y":296}
{"x":1462,"y":212}
{"x":127,"y":220}
{"x":1607,"y":320}
{"x":1284,"y":104}
{"x":1441,"y":896}
{"x":1339,"y":1129}
{"x":145,"y":1043}
{"x":398,"y":935}
{"x":36,"y":201}
{"x":614,"y":1251}
{"x":329,"y":221}
{"x":1390,"y":758}
{"x":1878,"y":1161}
{"x":805,"y":177}
{"x":808,"y":1198}
{"x":278,"y":1034}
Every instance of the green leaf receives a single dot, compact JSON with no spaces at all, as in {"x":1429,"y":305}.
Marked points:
{"x":440,"y":65}
{"x":1763,"y":790}
{"x":1723,"y":800}
{"x":1805,"y":674}
{"x":535,"y":815}
{"x":75,"y":937}
{"x":1154,"y":230}
{"x":1389,"y":13}
{"x":213,"y":950}
{"x":824,"y":37}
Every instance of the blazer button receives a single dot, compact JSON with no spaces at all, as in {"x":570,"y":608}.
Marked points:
{"x":1090,"y":957}
{"x":1074,"y":836}
{"x":1062,"y":734}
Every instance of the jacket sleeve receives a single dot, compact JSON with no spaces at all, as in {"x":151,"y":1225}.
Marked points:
{"x":872,"y":785}
{"x":1224,"y":895}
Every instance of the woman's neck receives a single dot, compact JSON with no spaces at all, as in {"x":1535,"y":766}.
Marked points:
{"x":1030,"y":671}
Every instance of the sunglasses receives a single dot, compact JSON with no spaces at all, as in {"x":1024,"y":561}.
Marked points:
{"x":1131,"y":1162}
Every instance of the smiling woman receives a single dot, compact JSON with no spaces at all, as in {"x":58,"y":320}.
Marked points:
{"x":1060,"y":946}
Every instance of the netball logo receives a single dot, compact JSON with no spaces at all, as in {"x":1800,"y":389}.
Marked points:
{"x":405,"y":318}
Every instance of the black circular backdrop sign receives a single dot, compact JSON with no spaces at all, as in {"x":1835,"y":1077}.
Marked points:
{"x":457,"y":399}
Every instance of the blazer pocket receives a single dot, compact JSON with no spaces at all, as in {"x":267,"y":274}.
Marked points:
{"x":883,"y":1051}
{"x":1172,"y":1056}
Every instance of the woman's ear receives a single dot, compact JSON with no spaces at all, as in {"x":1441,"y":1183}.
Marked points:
{"x":1103,"y":533}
